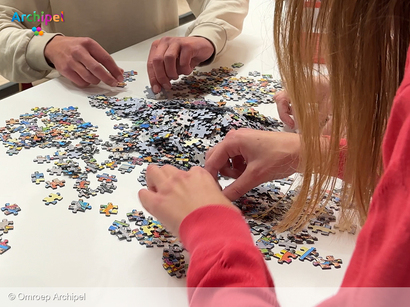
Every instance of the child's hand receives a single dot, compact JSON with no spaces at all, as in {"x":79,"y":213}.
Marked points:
{"x":173,"y":194}
{"x":322,"y":91}
{"x":253,"y":157}
{"x":284,"y":108}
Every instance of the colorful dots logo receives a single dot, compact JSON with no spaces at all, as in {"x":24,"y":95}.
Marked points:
{"x":37,"y":31}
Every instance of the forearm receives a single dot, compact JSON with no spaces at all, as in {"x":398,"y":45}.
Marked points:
{"x":214,"y":264}
{"x":218,"y":20}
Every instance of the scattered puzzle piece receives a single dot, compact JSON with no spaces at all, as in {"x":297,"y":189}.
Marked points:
{"x":55,"y":183}
{"x":122,"y":230}
{"x":108,"y":209}
{"x":10,"y":209}
{"x":110,"y":164}
{"x":136,"y":216}
{"x":126,"y":168}
{"x":107,"y":178}
{"x":285,"y":256}
{"x":37,"y":177}
{"x":52,"y":198}
{"x":6,"y":225}
{"x":325,"y":230}
{"x":326,"y":264}
{"x":305,"y":253}
{"x":42,"y":159}
{"x":287,"y":244}
{"x":4,"y":247}
{"x":301,"y":237}
{"x":79,"y":205}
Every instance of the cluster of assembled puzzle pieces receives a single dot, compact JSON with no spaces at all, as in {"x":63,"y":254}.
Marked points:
{"x":176,"y":130}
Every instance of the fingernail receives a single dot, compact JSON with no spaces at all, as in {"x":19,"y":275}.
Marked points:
{"x":156,"y":89}
{"x":120,"y":78}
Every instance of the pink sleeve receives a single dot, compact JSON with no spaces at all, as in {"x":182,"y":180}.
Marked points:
{"x":226,"y":268}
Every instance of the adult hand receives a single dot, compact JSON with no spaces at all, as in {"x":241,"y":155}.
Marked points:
{"x":83,"y":61}
{"x":171,"y":56}
{"x":173,"y":194}
{"x":253,"y":157}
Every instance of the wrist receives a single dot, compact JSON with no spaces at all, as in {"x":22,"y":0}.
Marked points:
{"x":294,"y":148}
{"x":210,"y":47}
{"x":49,"y":49}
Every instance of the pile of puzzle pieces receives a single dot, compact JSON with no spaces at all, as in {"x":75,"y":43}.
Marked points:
{"x":265,"y":206}
{"x":223,"y":83}
{"x":176,"y":131}
{"x":150,"y":232}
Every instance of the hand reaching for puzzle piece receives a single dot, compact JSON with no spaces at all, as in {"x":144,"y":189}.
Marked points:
{"x":173,"y":194}
{"x":253,"y":157}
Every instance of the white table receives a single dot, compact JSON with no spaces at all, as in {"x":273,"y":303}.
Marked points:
{"x":56,"y":251}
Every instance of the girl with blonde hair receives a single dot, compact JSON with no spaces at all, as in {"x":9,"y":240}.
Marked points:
{"x":365,"y":45}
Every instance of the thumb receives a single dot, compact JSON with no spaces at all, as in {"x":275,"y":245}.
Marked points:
{"x":240,"y":186}
{"x":148,"y":200}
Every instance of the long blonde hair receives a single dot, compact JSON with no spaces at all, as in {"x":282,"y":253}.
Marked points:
{"x":364,"y":43}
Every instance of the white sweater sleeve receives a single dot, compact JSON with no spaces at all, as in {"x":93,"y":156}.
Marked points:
{"x":218,"y":20}
{"x":22,"y":54}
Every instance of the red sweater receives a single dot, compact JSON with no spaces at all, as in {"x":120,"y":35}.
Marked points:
{"x":224,"y":255}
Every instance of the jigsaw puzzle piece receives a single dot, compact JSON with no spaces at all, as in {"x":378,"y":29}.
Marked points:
{"x":4,"y":247}
{"x":11,"y":209}
{"x":6,"y":225}
{"x":285,"y":256}
{"x":52,"y":198}
{"x":109,"y":209}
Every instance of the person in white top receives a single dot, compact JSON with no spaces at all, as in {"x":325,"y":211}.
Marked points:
{"x":76,"y":37}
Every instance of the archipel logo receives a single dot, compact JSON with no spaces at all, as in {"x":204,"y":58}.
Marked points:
{"x":37,"y":31}
{"x":47,"y":18}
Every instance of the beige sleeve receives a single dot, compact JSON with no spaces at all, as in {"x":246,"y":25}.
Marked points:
{"x":218,"y":20}
{"x":22,"y":54}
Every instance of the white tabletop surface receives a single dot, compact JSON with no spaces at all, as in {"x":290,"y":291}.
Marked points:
{"x":56,"y":251}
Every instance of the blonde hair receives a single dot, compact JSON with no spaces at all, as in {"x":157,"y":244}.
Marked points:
{"x":364,"y":43}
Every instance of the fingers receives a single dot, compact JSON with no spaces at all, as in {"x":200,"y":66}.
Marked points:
{"x":170,"y":61}
{"x":83,"y":61}
{"x":114,"y":74}
{"x":148,"y":200}
{"x":75,"y":78}
{"x":156,"y":87}
{"x":284,"y":110}
{"x":171,"y":56}
{"x":155,"y":177}
{"x":156,"y":66}
{"x":95,"y":68}
{"x":233,"y":168}
{"x":217,"y":158}
{"x":240,"y":186}
{"x":85,"y":74}
{"x":169,"y":170}
{"x":185,"y":61}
